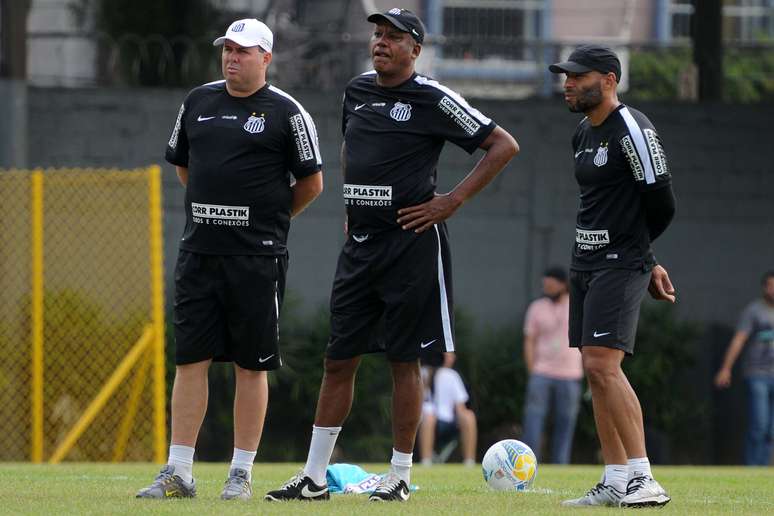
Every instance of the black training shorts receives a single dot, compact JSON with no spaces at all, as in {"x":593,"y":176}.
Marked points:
{"x":392,"y":293}
{"x":227,"y":309}
{"x":605,"y":307}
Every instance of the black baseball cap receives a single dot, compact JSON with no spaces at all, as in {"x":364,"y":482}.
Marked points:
{"x":404,"y":20}
{"x":587,"y":58}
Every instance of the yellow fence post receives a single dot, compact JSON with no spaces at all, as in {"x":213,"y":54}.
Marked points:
{"x":157,"y":304}
{"x":36,"y":397}
{"x":99,"y":401}
{"x":125,"y":429}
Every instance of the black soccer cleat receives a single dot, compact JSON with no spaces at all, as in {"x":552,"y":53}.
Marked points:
{"x":391,"y":488}
{"x":299,"y":487}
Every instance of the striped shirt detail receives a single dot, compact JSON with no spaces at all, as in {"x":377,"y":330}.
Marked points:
{"x":638,"y":138}
{"x":475,"y":113}
{"x":308,"y":122}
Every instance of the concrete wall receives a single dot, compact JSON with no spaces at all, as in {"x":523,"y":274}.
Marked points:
{"x":721,"y":158}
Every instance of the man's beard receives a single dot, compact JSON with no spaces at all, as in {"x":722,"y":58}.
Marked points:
{"x":554,"y":297}
{"x":587,"y":99}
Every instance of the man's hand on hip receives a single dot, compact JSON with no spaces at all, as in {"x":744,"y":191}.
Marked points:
{"x":422,"y":216}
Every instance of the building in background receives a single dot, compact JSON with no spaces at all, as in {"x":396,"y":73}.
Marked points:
{"x":485,"y":48}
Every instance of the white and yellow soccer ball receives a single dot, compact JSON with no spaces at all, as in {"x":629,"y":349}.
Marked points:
{"x":509,"y":465}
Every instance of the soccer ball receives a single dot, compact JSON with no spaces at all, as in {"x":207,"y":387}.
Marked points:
{"x":509,"y":465}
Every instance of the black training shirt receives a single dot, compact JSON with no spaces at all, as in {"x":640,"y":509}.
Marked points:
{"x":240,"y":152}
{"x":615,"y":163}
{"x":393,"y":139}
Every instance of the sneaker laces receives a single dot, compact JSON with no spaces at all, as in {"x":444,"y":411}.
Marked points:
{"x":238,"y":480}
{"x":165,"y":476}
{"x":388,"y":482}
{"x":295,"y":480}
{"x":636,"y":484}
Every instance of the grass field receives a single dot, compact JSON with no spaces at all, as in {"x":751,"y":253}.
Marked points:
{"x":448,"y":489}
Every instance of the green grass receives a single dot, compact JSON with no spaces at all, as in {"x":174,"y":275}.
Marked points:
{"x":448,"y":489}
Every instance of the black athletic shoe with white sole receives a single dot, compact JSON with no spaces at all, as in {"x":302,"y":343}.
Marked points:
{"x":391,"y":488}
{"x":299,"y":487}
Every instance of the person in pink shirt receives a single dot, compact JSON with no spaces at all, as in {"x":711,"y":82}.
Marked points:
{"x":555,"y":369}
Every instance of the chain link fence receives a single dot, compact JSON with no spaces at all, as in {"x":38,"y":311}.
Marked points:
{"x":81,"y":316}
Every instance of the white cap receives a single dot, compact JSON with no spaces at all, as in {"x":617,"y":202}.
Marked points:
{"x":248,"y":33}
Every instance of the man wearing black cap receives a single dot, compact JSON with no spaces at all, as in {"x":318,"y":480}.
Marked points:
{"x":392,"y":291}
{"x":626,"y":202}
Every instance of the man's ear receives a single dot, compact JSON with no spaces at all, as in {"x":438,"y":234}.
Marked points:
{"x":267,"y":58}
{"x":416,"y":50}
{"x":612,"y":82}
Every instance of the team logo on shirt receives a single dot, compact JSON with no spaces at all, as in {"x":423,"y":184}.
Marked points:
{"x":600,"y":159}
{"x":656,"y":152}
{"x":460,"y":117}
{"x":176,"y":131}
{"x":219,"y":215}
{"x":367,"y":195}
{"x":255,"y":124}
{"x":633,"y":158}
{"x":400,"y":112}
{"x":591,"y":239}
{"x":303,"y":144}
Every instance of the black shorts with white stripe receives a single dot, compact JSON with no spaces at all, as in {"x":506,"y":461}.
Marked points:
{"x":227,"y":309}
{"x":392,"y":293}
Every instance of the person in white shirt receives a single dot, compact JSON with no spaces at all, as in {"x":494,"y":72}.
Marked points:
{"x":444,"y":413}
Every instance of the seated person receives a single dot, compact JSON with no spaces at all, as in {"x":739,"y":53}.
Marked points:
{"x":444,"y":413}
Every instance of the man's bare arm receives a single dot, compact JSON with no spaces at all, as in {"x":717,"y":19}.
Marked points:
{"x":500,"y":147}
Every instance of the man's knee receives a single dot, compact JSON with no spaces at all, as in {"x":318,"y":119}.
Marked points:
{"x":467,"y":417}
{"x":248,"y":374}
{"x":192,"y":370}
{"x":340,"y":368}
{"x":601,"y":364}
{"x":406,"y":372}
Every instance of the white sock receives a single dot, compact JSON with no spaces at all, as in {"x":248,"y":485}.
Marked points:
{"x":320,"y":451}
{"x":243,"y":459}
{"x":401,"y":465}
{"x":181,"y":457}
{"x":616,"y":476}
{"x":639,"y":468}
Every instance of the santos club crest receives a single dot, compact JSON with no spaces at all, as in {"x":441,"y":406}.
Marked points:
{"x":600,"y":159}
{"x":400,"y":112}
{"x":254,"y":124}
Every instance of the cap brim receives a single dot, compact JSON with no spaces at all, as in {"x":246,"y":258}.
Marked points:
{"x":569,"y":66}
{"x":239,"y":41}
{"x":374,"y":18}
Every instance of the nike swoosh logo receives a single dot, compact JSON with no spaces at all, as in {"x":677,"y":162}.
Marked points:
{"x":307,"y":493}
{"x":203,"y":118}
{"x":423,"y":345}
{"x":596,"y":335}
{"x":264,"y":359}
{"x":360,"y":239}
{"x":359,"y":106}
{"x":578,"y":154}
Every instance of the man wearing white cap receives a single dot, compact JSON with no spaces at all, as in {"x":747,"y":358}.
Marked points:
{"x":248,"y":155}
